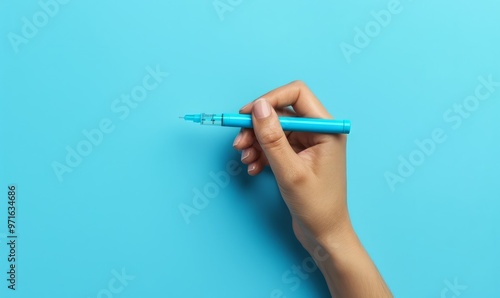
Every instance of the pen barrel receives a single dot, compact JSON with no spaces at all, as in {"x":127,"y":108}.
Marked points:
{"x":293,"y":123}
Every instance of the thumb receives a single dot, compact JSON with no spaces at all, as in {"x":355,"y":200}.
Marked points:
{"x":272,"y":139}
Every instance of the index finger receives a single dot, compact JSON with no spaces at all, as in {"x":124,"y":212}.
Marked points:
{"x":297,"y":95}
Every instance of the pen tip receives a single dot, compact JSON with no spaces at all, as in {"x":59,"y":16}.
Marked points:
{"x":181,"y":117}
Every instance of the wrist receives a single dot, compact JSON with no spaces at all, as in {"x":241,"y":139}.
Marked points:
{"x":341,"y":238}
{"x":337,"y":236}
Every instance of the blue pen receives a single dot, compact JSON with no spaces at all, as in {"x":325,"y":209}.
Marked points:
{"x":287,"y":123}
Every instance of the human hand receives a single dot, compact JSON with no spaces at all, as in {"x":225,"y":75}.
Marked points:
{"x":309,"y":168}
{"x":311,"y":173}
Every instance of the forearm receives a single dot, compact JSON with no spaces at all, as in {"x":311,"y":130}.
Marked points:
{"x":348,"y":269}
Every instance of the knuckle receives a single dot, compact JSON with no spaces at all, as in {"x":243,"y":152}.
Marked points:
{"x":272,"y":138}
{"x":299,"y":83}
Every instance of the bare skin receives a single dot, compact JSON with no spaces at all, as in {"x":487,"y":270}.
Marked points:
{"x":310,"y":170}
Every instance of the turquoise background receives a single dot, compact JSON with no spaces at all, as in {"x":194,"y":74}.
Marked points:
{"x":119,"y":208}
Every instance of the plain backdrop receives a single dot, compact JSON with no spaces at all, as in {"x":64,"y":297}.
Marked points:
{"x":427,"y":214}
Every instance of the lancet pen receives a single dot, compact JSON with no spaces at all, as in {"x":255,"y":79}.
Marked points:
{"x":330,"y":126}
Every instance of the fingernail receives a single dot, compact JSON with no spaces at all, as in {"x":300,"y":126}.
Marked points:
{"x":244,"y":154}
{"x":244,"y":107}
{"x":261,"y":108}
{"x":251,"y":167}
{"x":237,"y":139}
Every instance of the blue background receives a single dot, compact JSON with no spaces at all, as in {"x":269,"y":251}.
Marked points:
{"x":119,"y":208}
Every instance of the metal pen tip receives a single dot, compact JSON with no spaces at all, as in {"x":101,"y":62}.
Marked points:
{"x":181,"y":117}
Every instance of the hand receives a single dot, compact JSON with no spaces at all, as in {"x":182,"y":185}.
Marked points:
{"x":310,"y":171}
{"x":309,"y":167}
